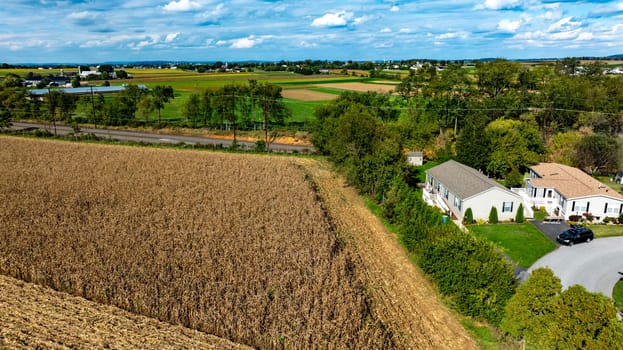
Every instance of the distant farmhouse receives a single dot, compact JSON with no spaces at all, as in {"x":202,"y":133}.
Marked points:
{"x":455,"y":187}
{"x":566,"y":191}
{"x":415,"y":158}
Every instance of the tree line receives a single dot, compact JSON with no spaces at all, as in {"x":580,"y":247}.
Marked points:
{"x":238,"y":106}
{"x":366,"y":134}
{"x":359,"y":133}
{"x":250,"y":106}
{"x":502,"y":116}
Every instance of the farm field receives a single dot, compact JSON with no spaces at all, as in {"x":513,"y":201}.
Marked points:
{"x":36,"y":317}
{"x":270,"y":252}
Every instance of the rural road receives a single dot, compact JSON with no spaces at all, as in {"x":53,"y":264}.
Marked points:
{"x":140,"y":136}
{"x":595,"y":265}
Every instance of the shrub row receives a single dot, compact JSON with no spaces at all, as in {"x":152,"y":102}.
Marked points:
{"x":472,"y":272}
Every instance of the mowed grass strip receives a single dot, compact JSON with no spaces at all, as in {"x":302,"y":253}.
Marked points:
{"x":617,"y":294}
{"x":602,"y":231}
{"x":523,"y":243}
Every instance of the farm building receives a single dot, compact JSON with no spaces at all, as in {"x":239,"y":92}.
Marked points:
{"x":415,"y":158}
{"x":455,"y":187}
{"x":85,"y":90}
{"x":567,"y":191}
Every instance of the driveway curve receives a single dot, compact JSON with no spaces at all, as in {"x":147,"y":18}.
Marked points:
{"x":595,"y":265}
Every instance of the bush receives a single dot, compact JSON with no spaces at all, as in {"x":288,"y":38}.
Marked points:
{"x":519,"y":217}
{"x":472,"y":271}
{"x":468,"y":218}
{"x":493,"y":215}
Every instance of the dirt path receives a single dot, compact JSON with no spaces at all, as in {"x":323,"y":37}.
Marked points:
{"x":35,"y":317}
{"x":407,"y":300}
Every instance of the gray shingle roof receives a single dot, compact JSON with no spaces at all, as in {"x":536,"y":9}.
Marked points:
{"x":462,"y":180}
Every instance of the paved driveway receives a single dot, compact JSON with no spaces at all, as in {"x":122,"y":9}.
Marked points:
{"x":595,"y":265}
{"x":550,"y":231}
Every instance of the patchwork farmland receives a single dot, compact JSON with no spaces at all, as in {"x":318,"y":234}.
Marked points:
{"x":269,"y":252}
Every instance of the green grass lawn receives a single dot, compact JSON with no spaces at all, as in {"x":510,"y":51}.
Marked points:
{"x":601,"y":231}
{"x":539,"y":214}
{"x":421,"y":175}
{"x":617,"y":294}
{"x":524,"y":243}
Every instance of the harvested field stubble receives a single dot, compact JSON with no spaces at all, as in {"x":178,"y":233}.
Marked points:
{"x":36,"y":317}
{"x":235,"y":246}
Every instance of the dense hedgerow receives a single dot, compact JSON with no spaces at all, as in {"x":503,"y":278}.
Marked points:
{"x":469,"y":270}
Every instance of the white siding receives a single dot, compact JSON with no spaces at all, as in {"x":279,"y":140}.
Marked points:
{"x":596,"y":206}
{"x":481,"y":204}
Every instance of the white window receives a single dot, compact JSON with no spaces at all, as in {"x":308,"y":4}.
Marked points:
{"x":507,"y":207}
{"x":445,"y":193}
{"x":457,"y":203}
{"x":612,"y":209}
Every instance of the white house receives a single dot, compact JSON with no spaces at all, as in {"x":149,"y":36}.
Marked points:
{"x":455,"y":187}
{"x":415,"y":158}
{"x":566,"y":191}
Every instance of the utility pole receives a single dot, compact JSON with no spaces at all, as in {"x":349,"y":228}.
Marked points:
{"x":93,"y":107}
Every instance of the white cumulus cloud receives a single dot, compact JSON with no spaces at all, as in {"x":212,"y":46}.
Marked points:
{"x":498,"y":4}
{"x":83,"y":17}
{"x":182,"y":5}
{"x":246,"y":43}
{"x":212,"y":16}
{"x":564,"y":24}
{"x":338,"y":19}
{"x":394,"y":8}
{"x":170,"y":37}
{"x":507,"y":25}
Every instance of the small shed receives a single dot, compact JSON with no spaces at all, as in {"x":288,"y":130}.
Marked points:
{"x":415,"y":158}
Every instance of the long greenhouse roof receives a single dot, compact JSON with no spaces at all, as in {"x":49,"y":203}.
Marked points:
{"x":83,"y":90}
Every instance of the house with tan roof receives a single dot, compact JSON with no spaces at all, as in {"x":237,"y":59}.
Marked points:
{"x":455,"y":187}
{"x":566,"y":191}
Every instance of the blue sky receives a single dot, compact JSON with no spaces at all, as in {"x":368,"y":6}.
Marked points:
{"x":84,"y":31}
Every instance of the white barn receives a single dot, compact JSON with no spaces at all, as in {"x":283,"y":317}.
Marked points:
{"x":567,"y":191}
{"x":455,"y":187}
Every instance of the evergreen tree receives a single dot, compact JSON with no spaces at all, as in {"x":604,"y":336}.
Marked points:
{"x":493,"y":215}
{"x":473,"y":146}
{"x":468,"y":218}
{"x":519,"y":217}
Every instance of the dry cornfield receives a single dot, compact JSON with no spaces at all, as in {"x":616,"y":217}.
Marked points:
{"x":270,"y":252}
{"x":235,"y":246}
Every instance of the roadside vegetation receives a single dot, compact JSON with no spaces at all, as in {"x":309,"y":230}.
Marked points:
{"x":543,"y":316}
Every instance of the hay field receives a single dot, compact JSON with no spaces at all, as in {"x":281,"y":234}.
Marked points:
{"x":232,"y":245}
{"x":36,"y":317}
{"x":361,"y":87}
{"x":269,"y":252}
